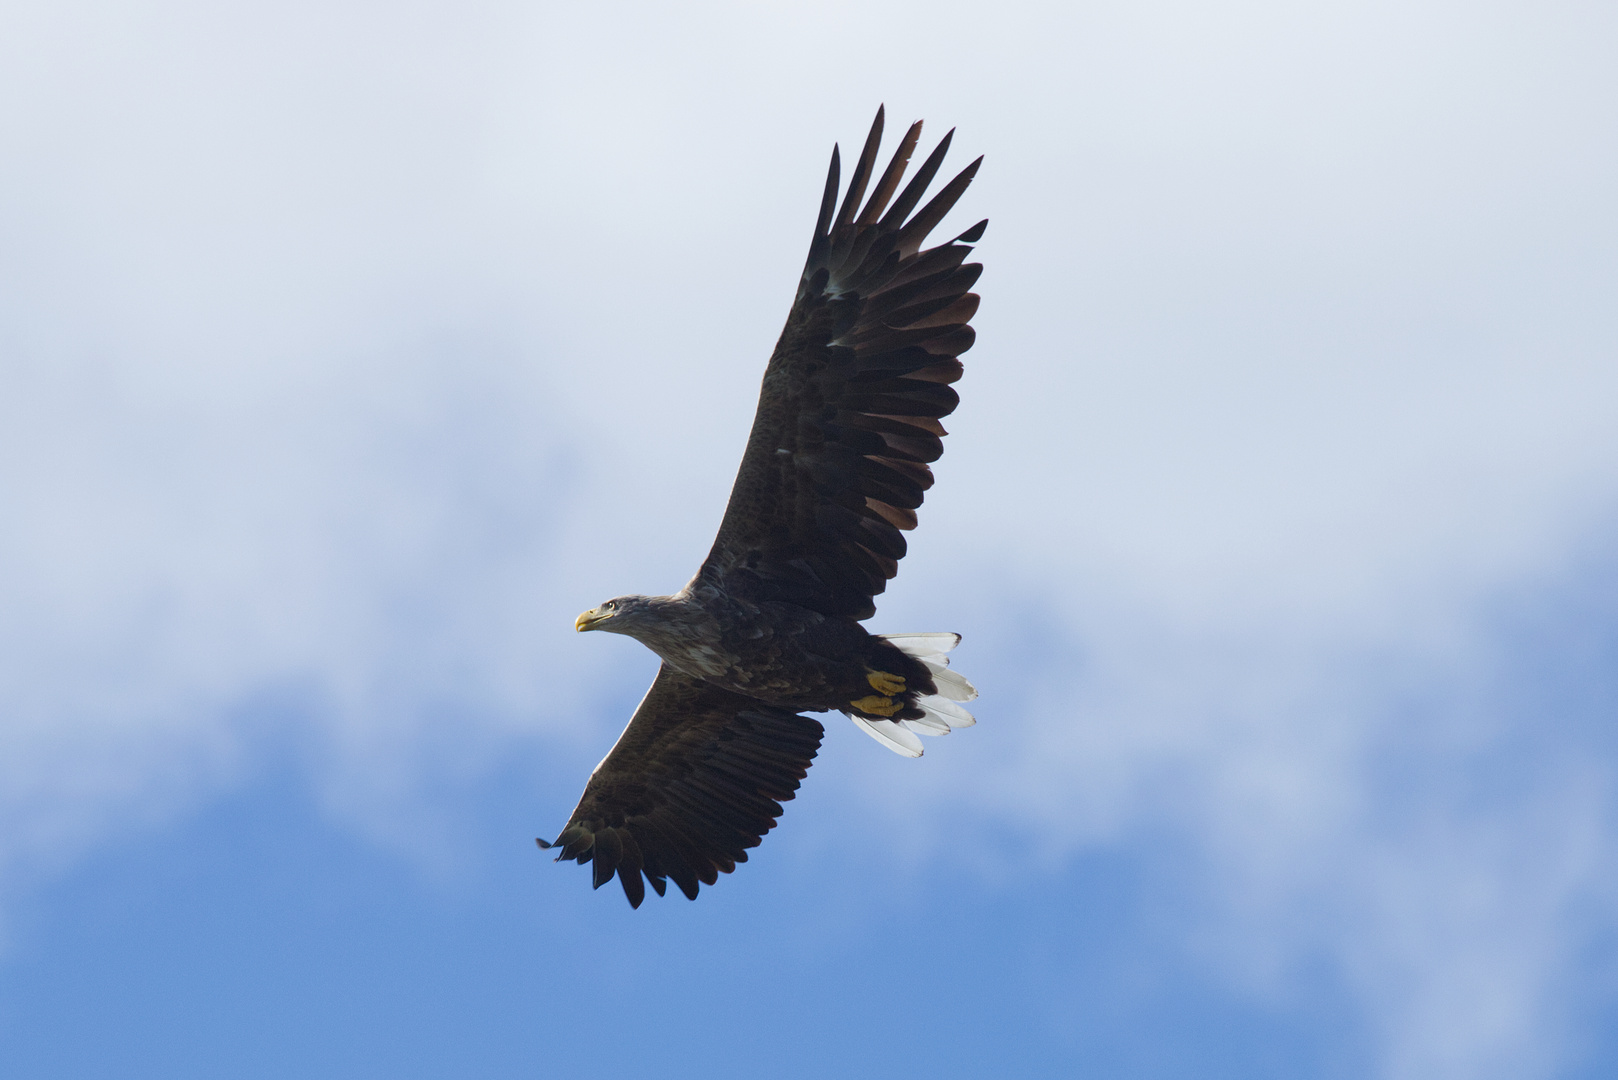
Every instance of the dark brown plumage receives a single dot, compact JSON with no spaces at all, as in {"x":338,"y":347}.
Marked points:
{"x":697,"y":778}
{"x":854,"y":393}
{"x":836,"y":465}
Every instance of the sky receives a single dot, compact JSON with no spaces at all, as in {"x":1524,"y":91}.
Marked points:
{"x":348,"y":350}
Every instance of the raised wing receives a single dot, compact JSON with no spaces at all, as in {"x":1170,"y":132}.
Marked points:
{"x":696,"y":779}
{"x":848,"y":416}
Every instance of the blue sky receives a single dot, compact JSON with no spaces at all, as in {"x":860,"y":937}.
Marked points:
{"x":347,"y":351}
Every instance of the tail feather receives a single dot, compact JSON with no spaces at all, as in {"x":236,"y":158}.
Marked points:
{"x":928,"y":725}
{"x":945,"y":711}
{"x":895,"y":737}
{"x":941,"y":714}
{"x":922,"y":646}
{"x":950,"y":684}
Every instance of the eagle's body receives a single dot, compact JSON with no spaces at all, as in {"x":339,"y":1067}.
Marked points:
{"x":775,"y":652}
{"x":835,"y":467}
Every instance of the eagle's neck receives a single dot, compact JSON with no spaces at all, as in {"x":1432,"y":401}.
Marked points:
{"x":683,"y":632}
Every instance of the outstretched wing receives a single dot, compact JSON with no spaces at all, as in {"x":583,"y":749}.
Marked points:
{"x":696,"y":779}
{"x":848,"y":416}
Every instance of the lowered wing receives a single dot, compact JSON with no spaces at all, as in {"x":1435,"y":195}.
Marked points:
{"x":696,"y":779}
{"x":848,"y":416}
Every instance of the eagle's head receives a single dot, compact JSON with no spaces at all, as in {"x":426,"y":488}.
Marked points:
{"x":620,"y":615}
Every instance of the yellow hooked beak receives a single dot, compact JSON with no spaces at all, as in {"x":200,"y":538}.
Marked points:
{"x":588,"y":619}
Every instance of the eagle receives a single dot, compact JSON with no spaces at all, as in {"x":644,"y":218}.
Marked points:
{"x":770,"y":627}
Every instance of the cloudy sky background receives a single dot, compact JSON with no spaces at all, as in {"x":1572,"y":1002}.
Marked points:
{"x":348,"y":350}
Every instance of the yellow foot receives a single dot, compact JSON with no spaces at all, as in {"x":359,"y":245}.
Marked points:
{"x":877,"y":706}
{"x":884,"y":683}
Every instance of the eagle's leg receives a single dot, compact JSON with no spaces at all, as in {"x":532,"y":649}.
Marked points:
{"x":886,"y":683}
{"x":877,"y":705}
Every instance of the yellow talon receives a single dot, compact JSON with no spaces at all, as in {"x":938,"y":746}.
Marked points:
{"x":877,"y":706}
{"x":884,"y":683}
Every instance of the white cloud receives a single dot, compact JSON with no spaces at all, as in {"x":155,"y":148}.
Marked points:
{"x":1440,"y":846}
{"x":339,"y":343}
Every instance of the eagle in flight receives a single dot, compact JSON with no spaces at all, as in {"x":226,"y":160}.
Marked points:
{"x":835,"y":467}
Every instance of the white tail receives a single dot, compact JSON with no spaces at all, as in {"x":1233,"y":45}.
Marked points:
{"x":943,"y":715}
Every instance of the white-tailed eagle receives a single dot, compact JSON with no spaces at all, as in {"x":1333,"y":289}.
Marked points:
{"x":835,"y":467}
